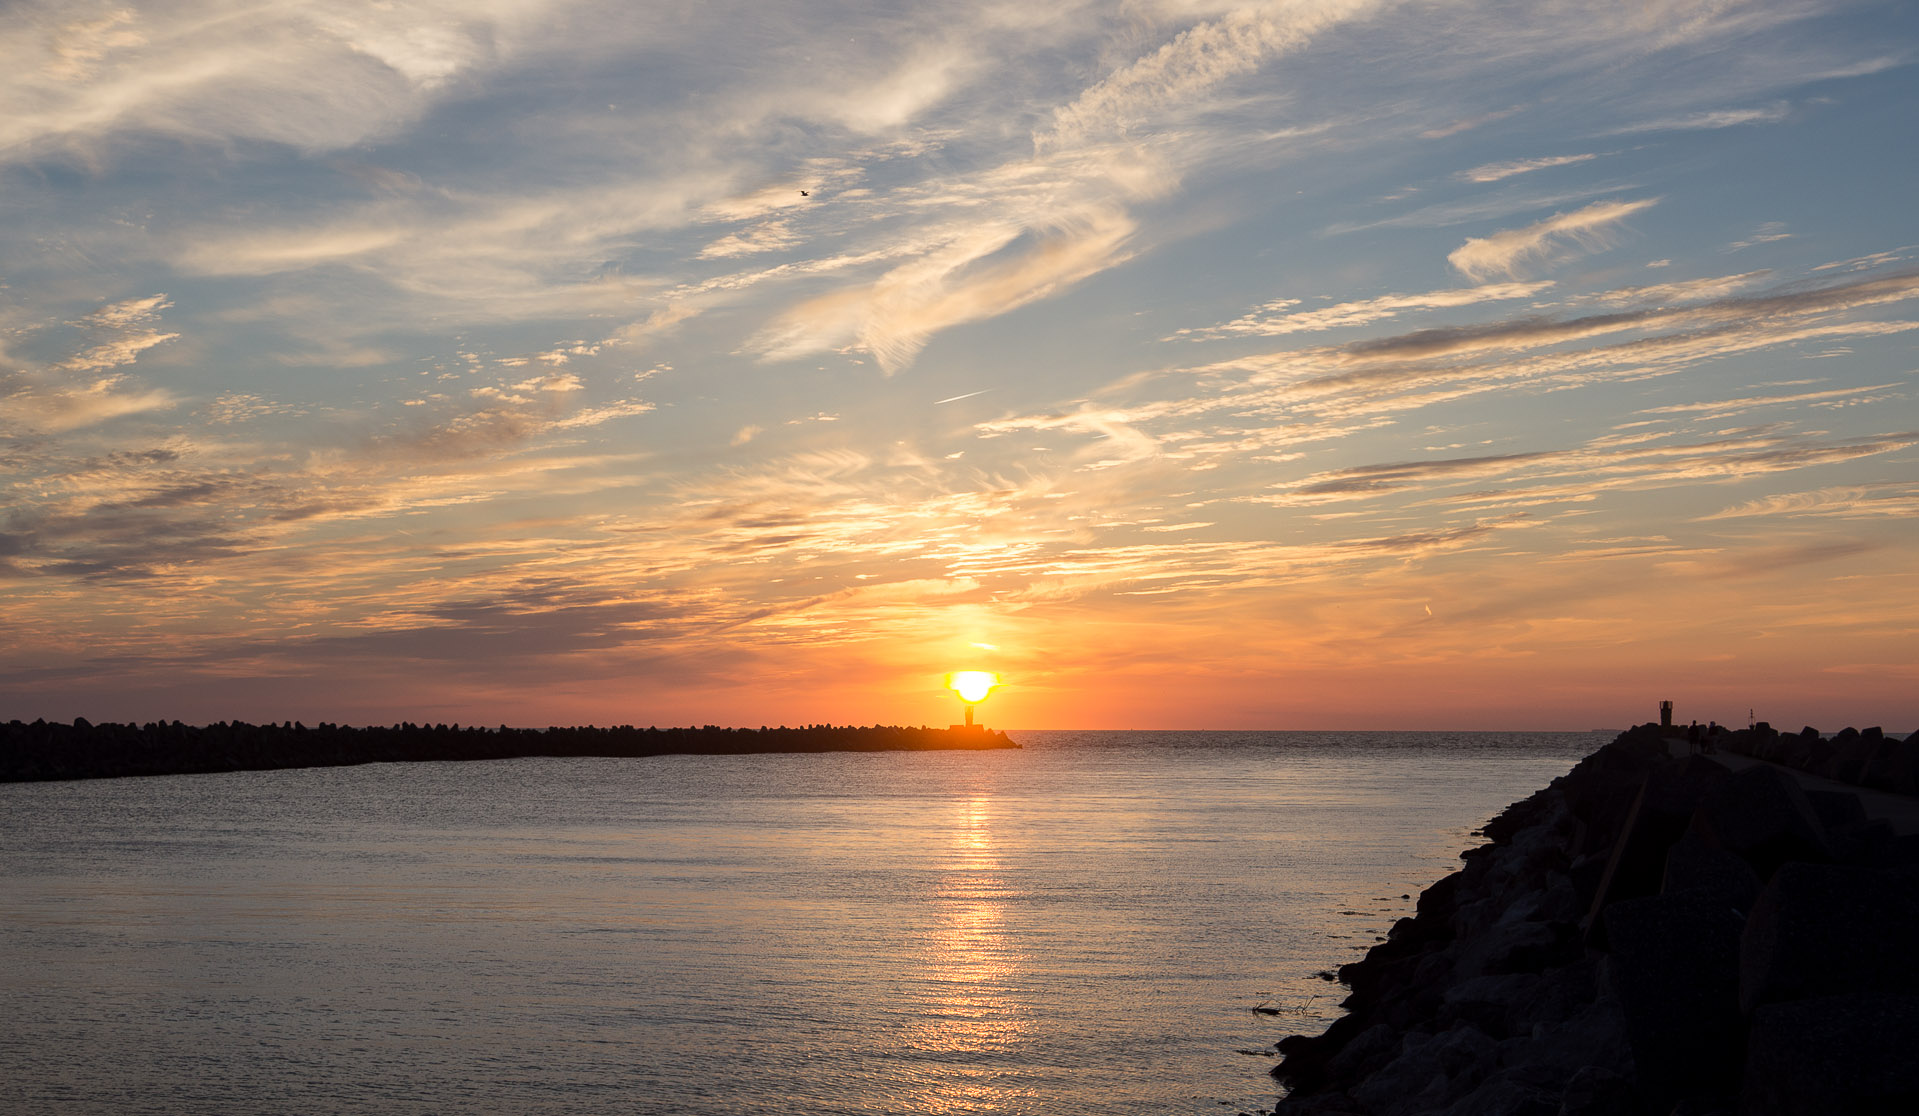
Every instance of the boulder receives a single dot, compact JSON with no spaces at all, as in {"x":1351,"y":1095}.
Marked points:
{"x":1827,"y":929}
{"x":1851,"y":753}
{"x":1833,"y":1056}
{"x":1694,"y":865}
{"x":1665,"y":806}
{"x":1596,"y":1091}
{"x":1836,"y":809}
{"x":1505,"y":1095}
{"x":1674,"y":967}
{"x":1430,"y":1073}
{"x":1895,"y":766}
{"x":1796,"y":751}
{"x":1369,"y":1050}
{"x":1763,"y":815}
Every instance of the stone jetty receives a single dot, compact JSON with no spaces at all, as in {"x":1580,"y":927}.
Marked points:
{"x":1670,"y":929}
{"x":46,"y":750}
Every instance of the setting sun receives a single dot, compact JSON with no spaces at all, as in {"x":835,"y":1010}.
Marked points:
{"x":972,"y":685}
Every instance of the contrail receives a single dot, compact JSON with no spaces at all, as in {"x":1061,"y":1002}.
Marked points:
{"x":955,"y":398}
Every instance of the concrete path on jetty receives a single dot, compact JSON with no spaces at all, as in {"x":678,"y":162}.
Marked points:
{"x":1901,"y":811}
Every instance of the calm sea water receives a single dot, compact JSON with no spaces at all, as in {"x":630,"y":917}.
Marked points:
{"x":1081,"y":926}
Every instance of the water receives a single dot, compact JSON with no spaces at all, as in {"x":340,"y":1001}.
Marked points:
{"x":1081,"y":926}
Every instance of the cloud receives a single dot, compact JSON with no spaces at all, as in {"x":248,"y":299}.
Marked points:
{"x":1767,"y":233}
{"x":1495,"y":172}
{"x":312,"y":75}
{"x":1595,"y":468}
{"x":1721,"y":408}
{"x":1717,"y":118}
{"x":1507,"y":251}
{"x":1279,"y":318}
{"x":1193,"y":63}
{"x":1684,"y":290}
{"x":772,"y":236}
{"x":70,"y":394}
{"x":1883,"y":500}
{"x":895,"y":316}
{"x":1467,"y":124}
{"x":1269,"y":406}
{"x":57,"y":407}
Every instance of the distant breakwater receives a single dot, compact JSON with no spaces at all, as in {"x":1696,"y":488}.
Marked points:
{"x":44,"y":750}
{"x":1653,"y":934}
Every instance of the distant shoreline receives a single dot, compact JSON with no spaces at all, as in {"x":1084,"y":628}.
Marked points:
{"x":48,"y":751}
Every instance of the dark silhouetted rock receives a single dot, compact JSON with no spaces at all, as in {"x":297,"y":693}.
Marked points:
{"x":42,"y":751}
{"x":1694,"y":865}
{"x":1763,"y":815}
{"x":1895,"y":767}
{"x":1674,"y":967}
{"x":1430,"y":1072}
{"x":1596,"y":1091}
{"x":1851,"y":753}
{"x":1836,"y":809}
{"x":1505,"y":1094}
{"x":1484,"y":1003}
{"x":1833,"y":1056}
{"x":1823,"y":929}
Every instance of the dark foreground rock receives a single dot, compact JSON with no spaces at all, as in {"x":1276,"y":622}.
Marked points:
{"x":1647,"y":937}
{"x":50,"y":750}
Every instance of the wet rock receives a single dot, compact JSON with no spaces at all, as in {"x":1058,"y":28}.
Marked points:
{"x":1822,"y":929}
{"x":1833,"y":1056}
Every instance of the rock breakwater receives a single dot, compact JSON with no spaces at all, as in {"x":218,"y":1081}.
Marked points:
{"x":1653,"y":934}
{"x":46,"y":750}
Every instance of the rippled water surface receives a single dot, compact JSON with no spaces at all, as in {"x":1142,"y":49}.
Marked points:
{"x":1083,"y":925}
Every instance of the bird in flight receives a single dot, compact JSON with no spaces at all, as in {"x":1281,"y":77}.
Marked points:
{"x":804,"y":194}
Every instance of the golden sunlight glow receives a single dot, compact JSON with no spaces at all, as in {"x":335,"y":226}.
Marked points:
{"x":972,"y":685}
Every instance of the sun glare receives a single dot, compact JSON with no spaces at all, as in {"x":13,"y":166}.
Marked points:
{"x":972,"y":685}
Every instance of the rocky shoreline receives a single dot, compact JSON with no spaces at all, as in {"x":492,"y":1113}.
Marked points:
{"x":1650,"y":935}
{"x":43,"y":750}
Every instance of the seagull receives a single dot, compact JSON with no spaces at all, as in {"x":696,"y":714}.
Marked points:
{"x":804,"y":194}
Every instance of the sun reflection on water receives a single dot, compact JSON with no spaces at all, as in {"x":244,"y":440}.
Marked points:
{"x":971,"y":1014}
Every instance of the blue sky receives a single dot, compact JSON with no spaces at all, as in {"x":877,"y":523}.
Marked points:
{"x":1312,"y":364}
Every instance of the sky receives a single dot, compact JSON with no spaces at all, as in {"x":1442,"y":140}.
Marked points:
{"x":1308,"y":364}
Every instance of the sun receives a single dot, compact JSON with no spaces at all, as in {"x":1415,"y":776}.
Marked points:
{"x":972,"y":685}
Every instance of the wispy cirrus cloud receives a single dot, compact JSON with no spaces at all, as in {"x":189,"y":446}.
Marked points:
{"x":1869,"y":501}
{"x":1710,"y":119}
{"x":1193,"y":64}
{"x":1508,"y":251}
{"x":1497,"y":172}
{"x":1597,"y":467}
{"x":72,"y":393}
{"x":1278,"y":317}
{"x":315,"y":76}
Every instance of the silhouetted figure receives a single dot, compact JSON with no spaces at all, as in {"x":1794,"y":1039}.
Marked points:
{"x":804,"y":194}
{"x":1692,"y":738}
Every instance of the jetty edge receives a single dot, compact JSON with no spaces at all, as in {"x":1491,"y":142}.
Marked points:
{"x":1655,"y":933}
{"x":45,"y":751}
